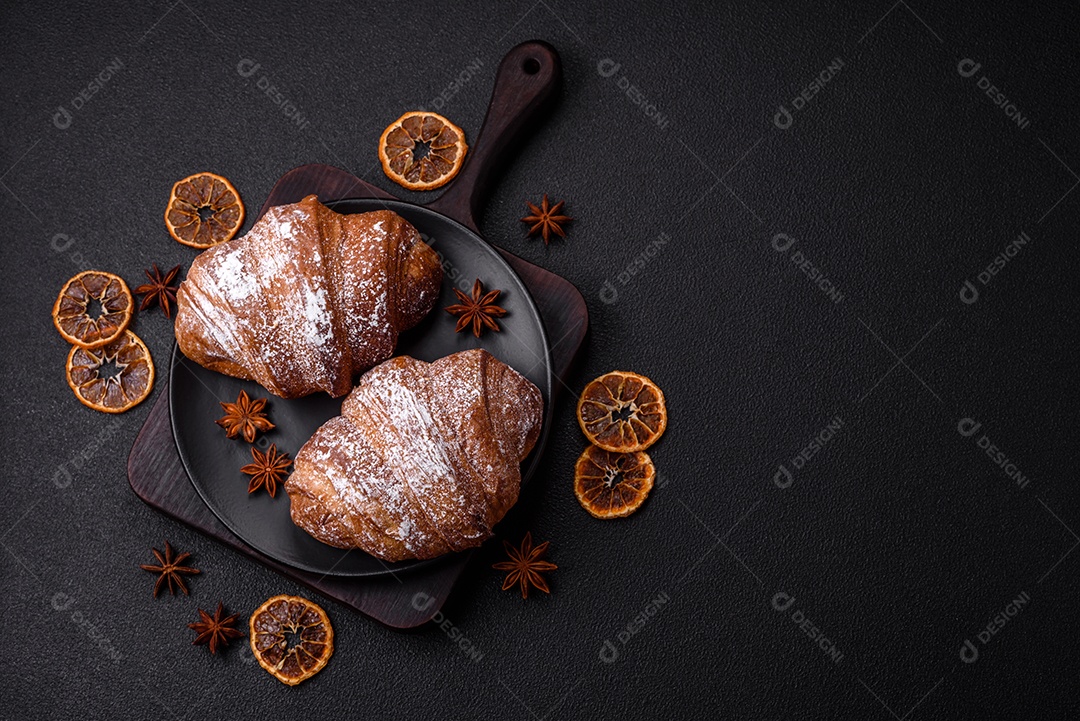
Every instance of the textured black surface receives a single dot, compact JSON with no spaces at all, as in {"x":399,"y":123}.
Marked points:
{"x":900,"y":539}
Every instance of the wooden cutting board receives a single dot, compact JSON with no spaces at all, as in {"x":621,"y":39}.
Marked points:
{"x":407,"y":599}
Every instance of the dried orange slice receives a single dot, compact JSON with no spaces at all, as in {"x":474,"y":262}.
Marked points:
{"x":612,"y":485}
{"x":204,"y":210}
{"x":422,"y":151}
{"x":291,"y":638}
{"x":622,"y":412}
{"x":114,"y":377}
{"x":89,"y":327}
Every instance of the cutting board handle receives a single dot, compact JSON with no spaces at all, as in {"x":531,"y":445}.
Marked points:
{"x":527,"y":78}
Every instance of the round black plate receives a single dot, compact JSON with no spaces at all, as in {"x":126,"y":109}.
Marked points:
{"x":213,"y":462}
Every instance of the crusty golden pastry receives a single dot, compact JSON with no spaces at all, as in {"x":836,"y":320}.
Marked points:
{"x":307,"y":299}
{"x":424,"y":459}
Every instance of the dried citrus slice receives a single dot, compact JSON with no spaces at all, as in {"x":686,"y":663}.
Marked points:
{"x":114,"y":377}
{"x":612,"y":485}
{"x":90,"y":327}
{"x":291,"y":638}
{"x":622,"y":412}
{"x":422,"y":151}
{"x":204,"y":210}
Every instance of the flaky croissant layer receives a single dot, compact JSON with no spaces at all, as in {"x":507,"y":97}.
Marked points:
{"x":308,"y":298}
{"x":424,"y":459}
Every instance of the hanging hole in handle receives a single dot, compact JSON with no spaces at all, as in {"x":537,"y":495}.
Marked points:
{"x":531,"y":66}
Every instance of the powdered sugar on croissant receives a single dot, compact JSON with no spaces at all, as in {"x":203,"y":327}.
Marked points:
{"x":423,"y":460}
{"x":308,"y":298}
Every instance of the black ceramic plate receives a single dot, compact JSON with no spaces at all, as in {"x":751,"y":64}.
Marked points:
{"x":213,"y":462}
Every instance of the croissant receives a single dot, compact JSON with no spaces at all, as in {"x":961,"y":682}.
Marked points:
{"x":424,"y":459}
{"x":307,"y":299}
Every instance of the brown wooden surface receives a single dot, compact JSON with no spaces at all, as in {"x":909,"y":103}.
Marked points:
{"x":154,"y":468}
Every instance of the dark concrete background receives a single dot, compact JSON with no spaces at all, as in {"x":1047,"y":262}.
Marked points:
{"x":899,"y":180}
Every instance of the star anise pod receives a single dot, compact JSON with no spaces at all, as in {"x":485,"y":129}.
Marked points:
{"x":170,"y":569}
{"x":525,"y":566}
{"x":215,"y":631}
{"x":479,"y":309}
{"x":244,"y":418}
{"x":267,"y":470}
{"x":546,"y":220}
{"x":159,"y":291}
